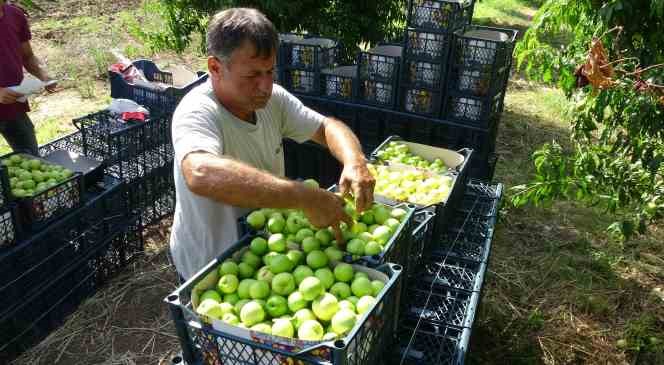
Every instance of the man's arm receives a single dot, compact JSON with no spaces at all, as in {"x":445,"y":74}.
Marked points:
{"x":345,"y":146}
{"x":235,"y":183}
{"x":31,"y":64}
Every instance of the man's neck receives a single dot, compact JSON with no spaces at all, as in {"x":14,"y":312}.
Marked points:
{"x":242,"y":114}
{"x":2,"y":10}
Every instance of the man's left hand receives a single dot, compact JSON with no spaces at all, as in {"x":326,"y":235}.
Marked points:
{"x":356,"y":179}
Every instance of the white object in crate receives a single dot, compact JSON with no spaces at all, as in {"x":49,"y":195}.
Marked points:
{"x":282,"y":343}
{"x":467,"y":108}
{"x":182,"y":76}
{"x":419,"y":101}
{"x":482,"y":48}
{"x":377,"y":91}
{"x":303,"y":80}
{"x":119,"y":106}
{"x":339,"y":81}
{"x":380,"y":60}
{"x":427,"y":44}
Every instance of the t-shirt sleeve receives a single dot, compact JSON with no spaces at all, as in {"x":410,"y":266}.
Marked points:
{"x":299,"y":122}
{"x":24,"y":33}
{"x":196,"y":131}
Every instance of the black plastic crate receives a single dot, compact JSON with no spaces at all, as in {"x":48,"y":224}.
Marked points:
{"x":302,"y":81}
{"x":440,"y":15}
{"x":9,"y":229}
{"x":470,"y":243}
{"x":71,"y":142}
{"x":38,"y":211}
{"x":28,"y":265}
{"x":158,"y":99}
{"x":370,"y":127}
{"x":153,"y":195}
{"x":445,"y":209}
{"x":427,"y":46}
{"x":423,"y":74}
{"x":309,"y":160}
{"x":481,"y":60}
{"x":34,"y":317}
{"x":481,"y":199}
{"x":378,"y":93}
{"x":366,"y":344}
{"x":451,"y":272}
{"x":420,"y":100}
{"x":484,"y":169}
{"x":430,"y":343}
{"x":345,"y":112}
{"x":413,"y":128}
{"x":122,"y":248}
{"x":143,"y":164}
{"x":479,"y":112}
{"x":380,"y":63}
{"x":443,"y":306}
{"x":423,"y":224}
{"x":5,"y":188}
{"x":339,"y":83}
{"x":308,"y":53}
{"x":108,"y":138}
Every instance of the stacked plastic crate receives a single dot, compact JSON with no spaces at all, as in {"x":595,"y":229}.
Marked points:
{"x":44,"y":275}
{"x":431,"y":24}
{"x":301,"y":60}
{"x":142,"y":155}
{"x":479,"y":69}
{"x":437,"y":316}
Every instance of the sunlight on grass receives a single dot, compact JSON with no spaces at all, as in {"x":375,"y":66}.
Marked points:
{"x":507,"y":12}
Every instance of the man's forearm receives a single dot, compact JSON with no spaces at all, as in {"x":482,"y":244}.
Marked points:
{"x":342,"y":142}
{"x":32,"y":65}
{"x":235,"y":183}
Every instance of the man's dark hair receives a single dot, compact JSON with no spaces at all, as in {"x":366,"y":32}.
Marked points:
{"x":230,"y":28}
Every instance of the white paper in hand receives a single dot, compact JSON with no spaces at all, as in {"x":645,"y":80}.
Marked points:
{"x":29,"y":86}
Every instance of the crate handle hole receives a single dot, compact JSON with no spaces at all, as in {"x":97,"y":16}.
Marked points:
{"x":339,"y":344}
{"x":172,"y":298}
{"x":397,"y":267}
{"x":177,"y":360}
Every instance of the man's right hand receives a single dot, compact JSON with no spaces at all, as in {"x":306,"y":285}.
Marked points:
{"x":325,"y":209}
{"x":7,"y":96}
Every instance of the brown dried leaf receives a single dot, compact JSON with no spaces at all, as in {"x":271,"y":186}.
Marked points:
{"x":597,"y":69}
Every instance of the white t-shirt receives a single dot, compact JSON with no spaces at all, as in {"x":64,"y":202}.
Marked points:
{"x":203,"y":228}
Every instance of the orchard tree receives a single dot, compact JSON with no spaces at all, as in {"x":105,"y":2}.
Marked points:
{"x":350,"y":21}
{"x":612,"y":71}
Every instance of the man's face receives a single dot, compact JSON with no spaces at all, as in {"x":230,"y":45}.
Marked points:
{"x":246,"y":79}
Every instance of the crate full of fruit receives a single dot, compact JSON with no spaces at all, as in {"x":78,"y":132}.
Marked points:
{"x":430,"y":177}
{"x":43,"y":190}
{"x":252,"y":305}
{"x":378,"y":235}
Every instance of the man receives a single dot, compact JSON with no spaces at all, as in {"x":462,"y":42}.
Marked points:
{"x":15,"y":54}
{"x":228,"y":134}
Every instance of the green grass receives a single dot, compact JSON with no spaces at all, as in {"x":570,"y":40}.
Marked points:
{"x":515,"y":13}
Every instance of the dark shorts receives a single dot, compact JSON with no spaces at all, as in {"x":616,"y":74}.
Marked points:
{"x":20,"y":134}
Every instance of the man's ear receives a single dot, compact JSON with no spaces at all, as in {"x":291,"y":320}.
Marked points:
{"x":215,"y":67}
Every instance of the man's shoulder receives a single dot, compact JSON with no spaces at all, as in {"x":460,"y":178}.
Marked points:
{"x":16,"y":11}
{"x":200,"y":99}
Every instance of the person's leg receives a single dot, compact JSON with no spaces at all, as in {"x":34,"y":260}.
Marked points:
{"x":20,"y":134}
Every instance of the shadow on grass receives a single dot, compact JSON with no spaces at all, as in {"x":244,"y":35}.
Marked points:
{"x":555,"y":292}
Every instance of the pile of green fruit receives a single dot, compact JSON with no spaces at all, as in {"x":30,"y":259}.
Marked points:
{"x":276,"y":288}
{"x":400,"y":153}
{"x":369,"y":234}
{"x":411,"y":185}
{"x":30,"y":176}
